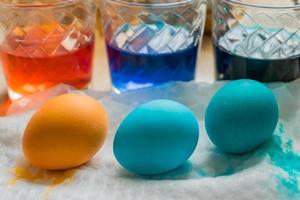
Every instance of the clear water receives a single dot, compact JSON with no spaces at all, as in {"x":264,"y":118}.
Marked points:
{"x":259,"y":54}
{"x":149,"y":55}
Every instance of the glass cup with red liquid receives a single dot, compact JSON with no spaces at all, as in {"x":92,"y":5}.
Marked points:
{"x":45,"y":43}
{"x":151,"y":42}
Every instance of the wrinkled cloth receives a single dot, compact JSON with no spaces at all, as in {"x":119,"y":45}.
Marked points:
{"x":271,"y":172}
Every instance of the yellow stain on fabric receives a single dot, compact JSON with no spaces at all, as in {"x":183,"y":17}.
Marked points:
{"x":50,"y":178}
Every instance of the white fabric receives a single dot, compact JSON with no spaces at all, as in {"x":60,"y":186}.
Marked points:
{"x":209,"y":174}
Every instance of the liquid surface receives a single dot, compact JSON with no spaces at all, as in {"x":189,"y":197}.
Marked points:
{"x":150,"y":55}
{"x":43,"y":57}
{"x":259,"y":54}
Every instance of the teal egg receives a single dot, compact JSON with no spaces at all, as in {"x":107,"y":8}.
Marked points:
{"x":156,"y":137}
{"x":241,"y":116}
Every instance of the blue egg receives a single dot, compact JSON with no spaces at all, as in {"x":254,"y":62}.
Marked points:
{"x":156,"y":137}
{"x":241,"y":116}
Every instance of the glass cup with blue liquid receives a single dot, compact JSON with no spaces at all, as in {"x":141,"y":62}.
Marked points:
{"x":151,"y":42}
{"x":257,"y":39}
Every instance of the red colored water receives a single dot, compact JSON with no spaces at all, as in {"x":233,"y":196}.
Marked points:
{"x":40,"y":59}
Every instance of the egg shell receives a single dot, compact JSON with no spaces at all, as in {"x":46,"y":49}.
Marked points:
{"x":65,"y":132}
{"x":241,"y":116}
{"x":156,"y":137}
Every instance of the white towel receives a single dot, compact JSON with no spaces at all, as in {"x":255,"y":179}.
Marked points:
{"x":269,"y":173}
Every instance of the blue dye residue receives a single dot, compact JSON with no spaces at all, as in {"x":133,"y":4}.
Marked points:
{"x":282,"y":155}
{"x":280,"y":152}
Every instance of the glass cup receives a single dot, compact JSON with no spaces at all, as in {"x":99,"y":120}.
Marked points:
{"x":44,"y":43}
{"x":258,"y":40}
{"x":150,"y":42}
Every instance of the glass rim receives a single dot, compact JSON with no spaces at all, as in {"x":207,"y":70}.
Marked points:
{"x":39,"y":5}
{"x":140,"y":4}
{"x":261,"y":5}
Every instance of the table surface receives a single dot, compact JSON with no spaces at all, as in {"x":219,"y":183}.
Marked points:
{"x":101,"y":78}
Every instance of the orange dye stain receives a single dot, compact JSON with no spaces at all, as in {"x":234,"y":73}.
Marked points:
{"x":51,"y":178}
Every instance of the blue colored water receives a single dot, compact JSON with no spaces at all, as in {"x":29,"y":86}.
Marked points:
{"x":231,"y":67}
{"x":258,"y":53}
{"x":130,"y":70}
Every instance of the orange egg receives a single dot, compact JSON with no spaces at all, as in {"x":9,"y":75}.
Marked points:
{"x":66,"y":132}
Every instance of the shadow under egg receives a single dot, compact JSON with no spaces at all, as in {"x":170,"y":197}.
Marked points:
{"x":180,"y":173}
{"x":218,"y":163}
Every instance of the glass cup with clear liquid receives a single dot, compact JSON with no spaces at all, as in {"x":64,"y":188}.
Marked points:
{"x":151,"y":42}
{"x":45,"y":43}
{"x":258,"y":40}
